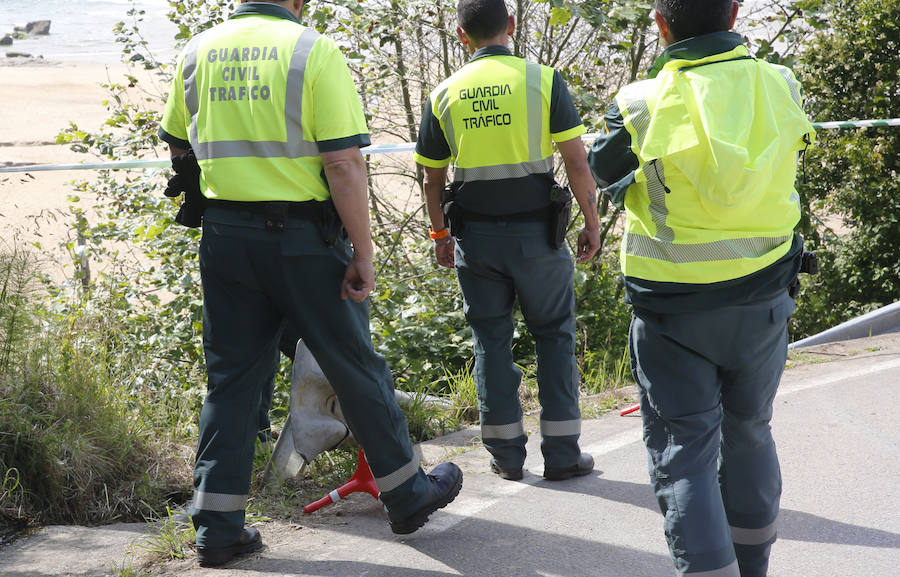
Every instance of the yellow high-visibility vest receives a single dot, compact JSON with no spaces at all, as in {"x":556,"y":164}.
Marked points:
{"x":717,"y":142}
{"x":495,"y":114}
{"x":253,"y":96}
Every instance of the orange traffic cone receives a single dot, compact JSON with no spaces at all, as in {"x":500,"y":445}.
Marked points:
{"x":362,"y":481}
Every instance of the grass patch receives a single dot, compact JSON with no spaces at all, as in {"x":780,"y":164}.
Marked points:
{"x":428,"y":416}
{"x":172,"y":537}
{"x":463,"y":394}
{"x":76,"y":445}
{"x":605,"y":371}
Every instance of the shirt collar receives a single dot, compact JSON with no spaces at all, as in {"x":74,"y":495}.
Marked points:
{"x":495,"y":50}
{"x":698,"y":47}
{"x":264,"y":9}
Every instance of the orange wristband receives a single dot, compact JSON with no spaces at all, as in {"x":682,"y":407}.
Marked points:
{"x":439,"y":234}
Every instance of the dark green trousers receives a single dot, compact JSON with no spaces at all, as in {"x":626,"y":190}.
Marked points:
{"x":498,"y":263}
{"x":707,"y":381}
{"x":254,"y":280}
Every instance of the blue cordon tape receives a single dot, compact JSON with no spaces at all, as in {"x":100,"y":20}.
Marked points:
{"x":368,"y":150}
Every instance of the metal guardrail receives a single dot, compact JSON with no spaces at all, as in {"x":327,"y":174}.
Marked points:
{"x":878,"y":322}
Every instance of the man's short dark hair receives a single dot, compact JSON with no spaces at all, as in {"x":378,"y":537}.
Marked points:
{"x":689,"y":18}
{"x":482,"y":19}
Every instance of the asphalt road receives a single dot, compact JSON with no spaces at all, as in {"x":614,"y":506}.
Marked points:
{"x":836,"y":428}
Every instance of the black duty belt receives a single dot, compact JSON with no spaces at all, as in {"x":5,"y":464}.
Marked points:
{"x":276,"y":212}
{"x":306,"y":209}
{"x":538,"y":215}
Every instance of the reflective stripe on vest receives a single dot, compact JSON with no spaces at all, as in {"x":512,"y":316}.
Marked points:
{"x":294,"y":147}
{"x":536,"y":163}
{"x":792,"y":83}
{"x":727,"y":249}
{"x":639,"y":115}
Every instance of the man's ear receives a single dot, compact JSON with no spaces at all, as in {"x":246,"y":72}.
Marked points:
{"x":463,"y":37}
{"x":665,"y":33}
{"x":735,"y":6}
{"x":661,"y":24}
{"x":511,"y":25}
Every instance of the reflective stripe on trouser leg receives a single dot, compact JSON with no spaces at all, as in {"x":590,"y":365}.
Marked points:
{"x":494,"y":436}
{"x":681,"y":432}
{"x":752,"y":548}
{"x":398,"y":477}
{"x":560,"y":428}
{"x":730,"y":570}
{"x":488,"y":299}
{"x":221,"y":502}
{"x":240,"y":328}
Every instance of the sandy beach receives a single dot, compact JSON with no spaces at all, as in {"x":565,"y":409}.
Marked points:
{"x":41,"y":99}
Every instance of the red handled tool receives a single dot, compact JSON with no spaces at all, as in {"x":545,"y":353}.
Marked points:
{"x":362,"y":481}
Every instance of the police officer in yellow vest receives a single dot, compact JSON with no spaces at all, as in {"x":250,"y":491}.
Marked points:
{"x":269,"y":109}
{"x":495,"y":120}
{"x":704,"y":155}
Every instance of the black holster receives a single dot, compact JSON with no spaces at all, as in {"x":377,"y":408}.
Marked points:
{"x":560,"y":214}
{"x":453,"y":217}
{"x":187,"y":180}
{"x":331,"y":227}
{"x":190,"y":214}
{"x":809,"y":264}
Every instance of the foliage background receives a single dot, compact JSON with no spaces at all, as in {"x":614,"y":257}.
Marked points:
{"x":850,"y":70}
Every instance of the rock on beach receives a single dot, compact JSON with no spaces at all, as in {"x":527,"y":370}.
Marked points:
{"x":38,"y":27}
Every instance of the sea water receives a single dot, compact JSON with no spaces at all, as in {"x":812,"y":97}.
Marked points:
{"x":82,"y":30}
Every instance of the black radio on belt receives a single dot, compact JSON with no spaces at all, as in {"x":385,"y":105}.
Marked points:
{"x":560,"y":214}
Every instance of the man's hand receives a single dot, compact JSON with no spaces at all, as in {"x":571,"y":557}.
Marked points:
{"x":443,"y":251}
{"x":359,"y":279}
{"x":588,"y":244}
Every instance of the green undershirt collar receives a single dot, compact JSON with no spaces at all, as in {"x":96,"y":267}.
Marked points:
{"x":697,"y":47}
{"x":264,"y":9}
{"x":495,"y":50}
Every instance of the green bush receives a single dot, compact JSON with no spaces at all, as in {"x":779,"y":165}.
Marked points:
{"x":852,"y":190}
